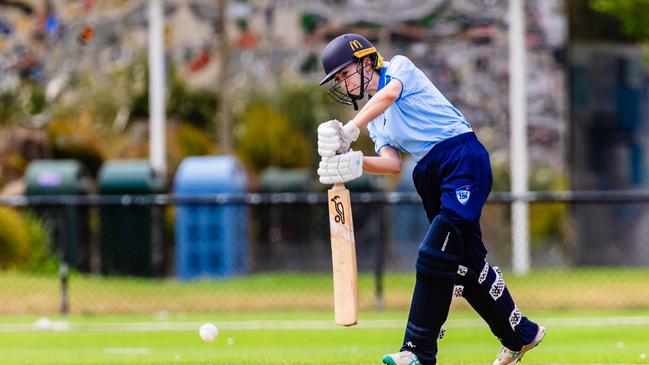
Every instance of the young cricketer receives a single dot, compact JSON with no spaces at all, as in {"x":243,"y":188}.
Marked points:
{"x":407,"y":113}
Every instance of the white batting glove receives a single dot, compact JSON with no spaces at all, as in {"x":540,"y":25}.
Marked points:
{"x":329,"y":138}
{"x":341,"y":168}
{"x":348,"y":134}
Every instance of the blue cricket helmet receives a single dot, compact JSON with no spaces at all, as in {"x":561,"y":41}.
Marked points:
{"x":343,"y":50}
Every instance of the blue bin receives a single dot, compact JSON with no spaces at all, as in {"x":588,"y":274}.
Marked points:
{"x":211,"y":239}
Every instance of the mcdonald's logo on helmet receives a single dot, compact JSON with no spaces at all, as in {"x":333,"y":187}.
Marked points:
{"x":355,"y":44}
{"x":345,"y":49}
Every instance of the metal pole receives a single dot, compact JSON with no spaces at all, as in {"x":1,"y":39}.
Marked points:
{"x":224,"y":116}
{"x":63,"y":226}
{"x":379,"y":258}
{"x":157,"y":81}
{"x":64,"y":307}
{"x":518,"y":130}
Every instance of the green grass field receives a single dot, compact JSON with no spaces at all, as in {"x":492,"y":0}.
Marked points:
{"x":583,"y":288}
{"x":599,"y":337}
{"x":594,"y":316}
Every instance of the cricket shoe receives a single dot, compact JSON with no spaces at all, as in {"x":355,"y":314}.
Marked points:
{"x":509,"y":357}
{"x":401,"y":358}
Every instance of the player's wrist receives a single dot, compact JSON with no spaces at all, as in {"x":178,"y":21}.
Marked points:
{"x":351,"y":130}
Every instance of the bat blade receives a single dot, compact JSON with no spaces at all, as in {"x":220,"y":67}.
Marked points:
{"x":343,"y":255}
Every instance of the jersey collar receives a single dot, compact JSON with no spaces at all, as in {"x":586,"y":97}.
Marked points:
{"x":383,"y":79}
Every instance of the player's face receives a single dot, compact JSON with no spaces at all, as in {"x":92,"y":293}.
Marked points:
{"x":351,"y":78}
{"x":347,"y":85}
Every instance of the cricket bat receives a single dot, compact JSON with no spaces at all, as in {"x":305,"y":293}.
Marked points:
{"x":343,"y":255}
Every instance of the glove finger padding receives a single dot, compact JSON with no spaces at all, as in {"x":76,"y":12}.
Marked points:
{"x":327,"y":149}
{"x":326,"y":180}
{"x":329,"y":138}
{"x":330,"y":128}
{"x":325,"y":177}
{"x":341,"y":168}
{"x":328,"y":142}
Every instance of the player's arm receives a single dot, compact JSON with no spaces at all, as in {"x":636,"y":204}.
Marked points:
{"x":389,"y":162}
{"x":379,"y":103}
{"x":334,"y":137}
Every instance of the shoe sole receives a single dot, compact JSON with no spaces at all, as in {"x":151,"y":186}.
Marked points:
{"x":387,"y":360}
{"x":544,"y":331}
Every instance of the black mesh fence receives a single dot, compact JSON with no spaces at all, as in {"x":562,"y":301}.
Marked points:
{"x":271,"y":252}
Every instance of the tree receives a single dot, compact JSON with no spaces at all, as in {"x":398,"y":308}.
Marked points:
{"x":634,"y":15}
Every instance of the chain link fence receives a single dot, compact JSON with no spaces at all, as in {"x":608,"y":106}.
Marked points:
{"x":271,"y":252}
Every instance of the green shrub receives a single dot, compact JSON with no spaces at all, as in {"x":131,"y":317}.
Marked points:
{"x":195,"y":106}
{"x":15,"y":245}
{"x":25,"y":242}
{"x":77,"y":139}
{"x":193,"y":141}
{"x":36,"y":102}
{"x":39,"y":232}
{"x":278,"y":128}
{"x":185,"y":139}
{"x":9,"y":107}
{"x":549,"y":222}
{"x":633,"y":15}
{"x":267,"y":139}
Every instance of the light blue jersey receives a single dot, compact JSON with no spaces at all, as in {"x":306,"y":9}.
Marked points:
{"x":421,"y":116}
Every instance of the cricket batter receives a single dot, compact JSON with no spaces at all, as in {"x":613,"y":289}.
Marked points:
{"x":406,"y":113}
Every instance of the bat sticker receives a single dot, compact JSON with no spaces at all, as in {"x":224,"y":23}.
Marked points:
{"x":340,"y":216}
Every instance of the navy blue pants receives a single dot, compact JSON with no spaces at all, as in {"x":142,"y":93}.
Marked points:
{"x":454,"y":181}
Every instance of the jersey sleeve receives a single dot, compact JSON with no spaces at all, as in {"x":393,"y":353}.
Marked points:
{"x":403,"y":70}
{"x":379,"y":142}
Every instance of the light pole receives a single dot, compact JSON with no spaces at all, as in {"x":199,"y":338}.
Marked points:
{"x":518,"y":138}
{"x":157,"y":86}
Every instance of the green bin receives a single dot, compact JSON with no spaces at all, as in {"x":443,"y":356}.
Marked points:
{"x":281,"y":237}
{"x":131,"y":235}
{"x":70,"y":223}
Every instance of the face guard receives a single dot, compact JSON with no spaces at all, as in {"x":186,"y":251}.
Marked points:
{"x":339,"y":91}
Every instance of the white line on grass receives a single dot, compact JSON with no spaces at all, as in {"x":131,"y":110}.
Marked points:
{"x":63,"y":326}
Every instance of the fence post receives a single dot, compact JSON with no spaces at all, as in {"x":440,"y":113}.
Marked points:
{"x":63,"y":228}
{"x":379,"y":258}
{"x":63,"y":277}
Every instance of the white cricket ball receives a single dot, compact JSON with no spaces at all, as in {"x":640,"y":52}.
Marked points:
{"x":208,"y":332}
